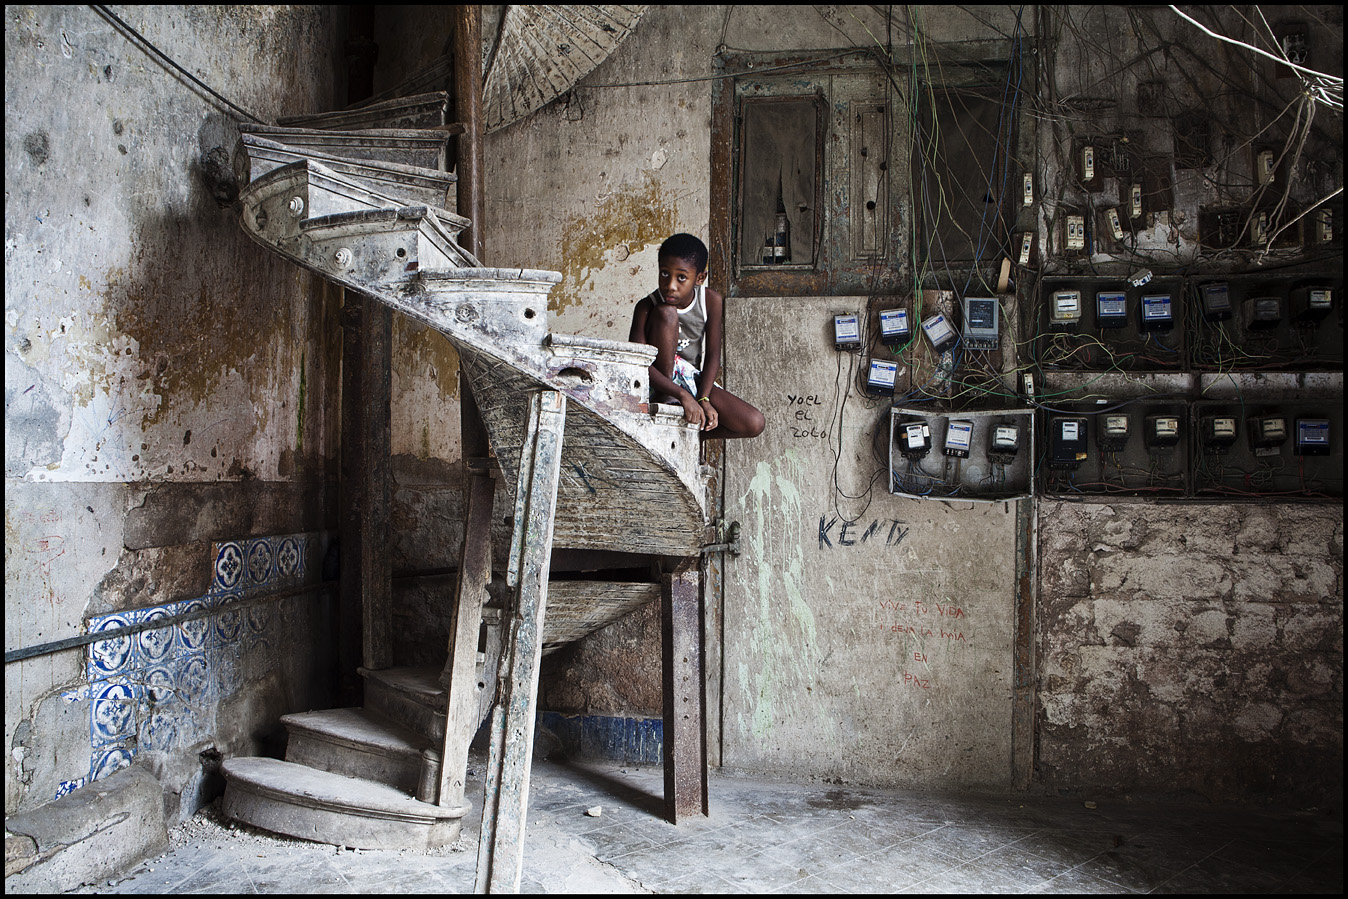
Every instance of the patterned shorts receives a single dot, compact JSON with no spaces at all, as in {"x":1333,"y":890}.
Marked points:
{"x":685,"y":375}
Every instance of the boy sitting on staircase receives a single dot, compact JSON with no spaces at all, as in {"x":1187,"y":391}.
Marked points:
{"x":682,"y":320}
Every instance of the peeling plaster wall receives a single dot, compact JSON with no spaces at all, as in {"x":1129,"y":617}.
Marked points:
{"x":813,"y":669}
{"x":170,"y":387}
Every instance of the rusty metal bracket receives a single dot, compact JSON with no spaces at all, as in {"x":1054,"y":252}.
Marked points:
{"x":728,"y":537}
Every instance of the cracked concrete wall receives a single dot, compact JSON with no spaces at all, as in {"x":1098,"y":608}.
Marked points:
{"x":170,"y":386}
{"x":1191,"y":650}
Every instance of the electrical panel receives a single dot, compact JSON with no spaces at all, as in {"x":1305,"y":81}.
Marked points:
{"x":846,"y":332}
{"x":938,"y":331}
{"x":1067,"y":441}
{"x":958,"y":435}
{"x":1111,"y":432}
{"x":983,"y":455}
{"x":894,"y":327}
{"x":981,"y":329}
{"x":881,"y":377}
{"x":1216,"y":298}
{"x":1065,"y":313}
{"x":1157,"y":312}
{"x":1289,"y":450}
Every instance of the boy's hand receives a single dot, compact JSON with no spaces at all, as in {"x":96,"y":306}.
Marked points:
{"x":695,"y":412}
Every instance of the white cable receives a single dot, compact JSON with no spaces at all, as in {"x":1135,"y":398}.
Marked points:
{"x":1221,"y":37}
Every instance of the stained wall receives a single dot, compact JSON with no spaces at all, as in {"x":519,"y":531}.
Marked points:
{"x":170,"y":399}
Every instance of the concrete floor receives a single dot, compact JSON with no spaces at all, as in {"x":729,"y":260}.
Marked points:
{"x":765,"y":837}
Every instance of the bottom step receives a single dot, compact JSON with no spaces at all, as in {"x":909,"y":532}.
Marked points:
{"x":303,"y":802}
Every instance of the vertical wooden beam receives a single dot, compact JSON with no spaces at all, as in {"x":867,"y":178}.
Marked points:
{"x":460,"y":677}
{"x":684,"y":710}
{"x":500,"y":859}
{"x":468,"y":111}
{"x":349,"y":603}
{"x":376,"y":563}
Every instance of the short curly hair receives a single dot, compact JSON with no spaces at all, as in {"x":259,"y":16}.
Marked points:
{"x":686,"y":247}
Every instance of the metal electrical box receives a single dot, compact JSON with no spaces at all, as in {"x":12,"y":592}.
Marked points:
{"x":979,"y":456}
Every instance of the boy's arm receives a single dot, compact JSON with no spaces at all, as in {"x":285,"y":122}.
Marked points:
{"x":711,"y":347}
{"x":660,"y":382}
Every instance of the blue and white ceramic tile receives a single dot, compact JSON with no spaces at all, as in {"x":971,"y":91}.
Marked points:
{"x":259,"y":564}
{"x":159,"y":728}
{"x":228,"y":575}
{"x":228,"y":622}
{"x":289,"y":554}
{"x":117,"y":655}
{"x":160,"y":684}
{"x":112,"y":712}
{"x":156,"y":646}
{"x":69,"y":786}
{"x":194,"y":636}
{"x":259,"y":618}
{"x":228,"y":677}
{"x":109,"y":760}
{"x":194,"y":680}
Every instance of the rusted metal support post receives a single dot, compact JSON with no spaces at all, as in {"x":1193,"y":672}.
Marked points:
{"x":500,"y":853}
{"x":1023,"y":698}
{"x":685,"y":721}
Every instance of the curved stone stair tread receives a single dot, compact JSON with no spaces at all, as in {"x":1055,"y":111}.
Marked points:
{"x":614,"y":491}
{"x":423,"y":148}
{"x":422,"y":109}
{"x":357,"y":742}
{"x":398,"y":184}
{"x":304,"y":802}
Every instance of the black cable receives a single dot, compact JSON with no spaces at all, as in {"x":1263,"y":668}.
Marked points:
{"x":164,"y":57}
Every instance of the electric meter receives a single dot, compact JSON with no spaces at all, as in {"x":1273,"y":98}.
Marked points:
{"x":1267,"y":434}
{"x":1261,"y":228}
{"x":1004,"y":444}
{"x":1264,"y":166}
{"x":1313,"y":304}
{"x":1156,"y":313}
{"x":1027,"y":191}
{"x":1324,"y":225}
{"x":894,"y":328}
{"x":1312,"y":437}
{"x":1087,"y":163}
{"x":958,"y":437}
{"x":1112,"y":435}
{"x":914,"y":439}
{"x":1216,"y":301}
{"x":1263,"y":313}
{"x":1111,"y":309}
{"x":846,"y":333}
{"x":1218,"y":433}
{"x":1135,"y":201}
{"x":1067,"y":442}
{"x":939,"y":332}
{"x":1065,"y":312}
{"x":1162,"y":431}
{"x":981,"y":323}
{"x":1026,"y":244}
{"x":881,"y":379}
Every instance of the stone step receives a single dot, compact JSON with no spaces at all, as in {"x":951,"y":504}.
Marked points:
{"x":394,"y":184}
{"x":412,"y":697}
{"x":373,"y":248}
{"x":423,"y":109}
{"x":304,"y":802}
{"x":356,"y":743}
{"x":422,"y":148}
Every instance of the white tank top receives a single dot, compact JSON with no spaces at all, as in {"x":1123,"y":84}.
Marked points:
{"x":692,"y":327}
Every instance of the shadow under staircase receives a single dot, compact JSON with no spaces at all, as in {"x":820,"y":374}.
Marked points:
{"x":359,"y":198}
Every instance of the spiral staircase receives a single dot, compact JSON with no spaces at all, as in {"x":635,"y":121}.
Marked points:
{"x":359,"y":197}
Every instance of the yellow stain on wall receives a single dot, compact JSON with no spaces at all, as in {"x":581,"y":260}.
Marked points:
{"x":633,"y":216}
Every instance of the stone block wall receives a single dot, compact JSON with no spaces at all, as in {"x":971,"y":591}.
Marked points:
{"x":1191,"y":649}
